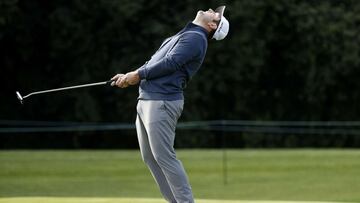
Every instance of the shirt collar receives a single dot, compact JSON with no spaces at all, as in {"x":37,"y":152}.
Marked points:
{"x":193,"y":27}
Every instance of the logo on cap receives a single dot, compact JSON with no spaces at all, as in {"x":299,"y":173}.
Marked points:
{"x":223,"y":27}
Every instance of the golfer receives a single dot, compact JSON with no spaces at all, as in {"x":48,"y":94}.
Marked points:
{"x":160,"y":103}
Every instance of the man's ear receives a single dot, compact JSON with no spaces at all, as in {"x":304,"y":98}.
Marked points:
{"x":212,"y":25}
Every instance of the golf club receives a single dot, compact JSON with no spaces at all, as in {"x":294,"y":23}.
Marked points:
{"x":21,"y":98}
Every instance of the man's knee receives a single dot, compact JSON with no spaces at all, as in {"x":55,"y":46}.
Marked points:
{"x":148,"y":158}
{"x":165,"y":159}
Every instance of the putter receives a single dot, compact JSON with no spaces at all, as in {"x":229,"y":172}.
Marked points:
{"x":21,"y":98}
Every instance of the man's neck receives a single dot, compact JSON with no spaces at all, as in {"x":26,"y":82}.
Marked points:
{"x":201,"y":24}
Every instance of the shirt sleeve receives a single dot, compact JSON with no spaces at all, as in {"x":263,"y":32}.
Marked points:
{"x":189,"y":47}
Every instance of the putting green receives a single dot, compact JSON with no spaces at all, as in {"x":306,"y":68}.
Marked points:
{"x":124,"y":200}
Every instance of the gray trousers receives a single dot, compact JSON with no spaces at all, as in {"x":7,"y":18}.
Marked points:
{"x":155,"y":125}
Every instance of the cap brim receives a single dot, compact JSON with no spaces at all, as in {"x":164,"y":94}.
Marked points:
{"x":220,"y":10}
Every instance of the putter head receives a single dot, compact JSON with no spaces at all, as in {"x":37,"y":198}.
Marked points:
{"x":20,"y":98}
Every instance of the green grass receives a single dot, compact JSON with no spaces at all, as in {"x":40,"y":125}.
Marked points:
{"x":297,"y":175}
{"x":123,"y":200}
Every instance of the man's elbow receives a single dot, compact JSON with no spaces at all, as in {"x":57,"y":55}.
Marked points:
{"x":173,"y":63}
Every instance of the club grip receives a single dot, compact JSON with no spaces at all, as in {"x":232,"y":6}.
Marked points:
{"x":110,"y":81}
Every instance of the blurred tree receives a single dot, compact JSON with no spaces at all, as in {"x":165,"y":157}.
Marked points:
{"x":282,"y":60}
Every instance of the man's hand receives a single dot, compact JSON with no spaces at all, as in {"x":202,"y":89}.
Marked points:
{"x":123,"y":81}
{"x":132,"y":78}
{"x":117,"y":79}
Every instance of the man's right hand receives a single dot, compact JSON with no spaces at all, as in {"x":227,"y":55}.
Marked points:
{"x":117,"y":81}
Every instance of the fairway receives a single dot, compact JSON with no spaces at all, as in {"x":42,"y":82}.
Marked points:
{"x":256,"y":176}
{"x":125,"y":200}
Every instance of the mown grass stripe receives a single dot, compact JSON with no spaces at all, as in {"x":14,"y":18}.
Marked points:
{"x":126,"y":200}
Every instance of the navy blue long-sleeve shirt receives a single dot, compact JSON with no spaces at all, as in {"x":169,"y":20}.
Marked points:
{"x":166,"y":74}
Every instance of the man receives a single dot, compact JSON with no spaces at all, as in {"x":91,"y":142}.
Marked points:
{"x":160,"y":103}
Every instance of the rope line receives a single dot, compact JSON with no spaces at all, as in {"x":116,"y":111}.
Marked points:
{"x":281,"y":127}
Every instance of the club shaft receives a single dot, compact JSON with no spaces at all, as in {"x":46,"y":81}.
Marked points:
{"x":67,"y":88}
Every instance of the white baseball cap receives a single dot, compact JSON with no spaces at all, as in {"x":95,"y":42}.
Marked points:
{"x":223,"y":26}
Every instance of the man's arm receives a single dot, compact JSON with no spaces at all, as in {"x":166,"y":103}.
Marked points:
{"x":189,"y":46}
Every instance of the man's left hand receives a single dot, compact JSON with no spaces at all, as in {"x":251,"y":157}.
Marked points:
{"x":130,"y":78}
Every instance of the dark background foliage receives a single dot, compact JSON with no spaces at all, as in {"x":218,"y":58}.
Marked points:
{"x":282,"y":60}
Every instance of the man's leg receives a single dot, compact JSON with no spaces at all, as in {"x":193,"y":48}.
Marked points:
{"x":148,"y":158}
{"x":161,"y":119}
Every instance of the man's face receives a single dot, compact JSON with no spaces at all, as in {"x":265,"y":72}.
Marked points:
{"x":208,"y":16}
